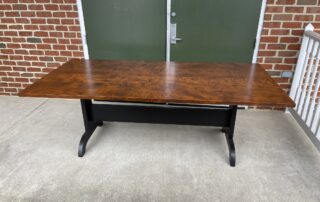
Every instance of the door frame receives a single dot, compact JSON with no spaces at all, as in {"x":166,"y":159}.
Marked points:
{"x":168,"y":16}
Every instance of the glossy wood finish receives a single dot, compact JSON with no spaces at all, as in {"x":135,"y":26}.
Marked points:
{"x":161,"y":82}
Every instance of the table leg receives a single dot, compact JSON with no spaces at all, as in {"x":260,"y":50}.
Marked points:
{"x":229,"y":131}
{"x":89,"y":124}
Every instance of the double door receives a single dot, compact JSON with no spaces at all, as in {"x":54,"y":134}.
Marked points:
{"x":176,"y":30}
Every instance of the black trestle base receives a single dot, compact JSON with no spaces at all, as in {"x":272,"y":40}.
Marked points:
{"x":95,"y":114}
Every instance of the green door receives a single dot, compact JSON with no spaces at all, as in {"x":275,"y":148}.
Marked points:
{"x":211,"y":30}
{"x":125,"y":29}
{"x":215,"y":30}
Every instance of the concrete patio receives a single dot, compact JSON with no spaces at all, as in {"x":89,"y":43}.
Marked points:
{"x":150,"y":162}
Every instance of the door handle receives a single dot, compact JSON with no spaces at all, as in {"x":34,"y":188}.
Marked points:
{"x":173,"y":34}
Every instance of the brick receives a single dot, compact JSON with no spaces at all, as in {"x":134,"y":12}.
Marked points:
{"x":307,"y":2}
{"x":273,"y":60}
{"x":55,"y":34}
{"x":47,"y":59}
{"x":74,"y":28}
{"x":274,"y":9}
{"x":25,"y":33}
{"x":290,"y":60}
{"x":283,"y":67}
{"x":38,"y":21}
{"x":21,"y":52}
{"x":51,"y":7}
{"x":38,"y":64}
{"x":287,"y":53}
{"x":24,"y":63}
{"x":9,"y":62}
{"x":2,"y":45}
{"x":269,"y":39}
{"x":31,"y":27}
{"x":49,"y":40}
{"x":34,"y":40}
{"x":22,"y":20}
{"x":289,"y":39}
{"x":15,"y":27}
{"x":70,"y":35}
{"x":12,"y":14}
{"x":61,"y":28}
{"x":35,"y":7}
{"x":274,"y":73}
{"x":276,"y":46}
{"x":78,"y":54}
{"x":66,"y":53}
{"x":59,"y":47}
{"x":34,"y":69}
{"x":13,"y":45}
{"x":41,"y":34}
{"x":72,"y":14}
{"x":52,"y":53}
{"x":27,"y":57}
{"x":6,"y":51}
{"x":294,"y":47}
{"x":43,"y":46}
{"x":315,"y":10}
{"x":280,"y":32}
{"x":47,"y":27}
{"x":59,"y":14}
{"x":297,"y":32}
{"x":283,"y":17}
{"x":267,"y":53}
{"x":19,"y":7}
{"x":53,"y":21}
{"x":11,"y":33}
{"x":65,"y":7}
{"x":36,"y":52}
{"x":292,"y":25}
{"x":5,"y":7}
{"x":28,"y":46}
{"x":304,"y":17}
{"x":5,"y":68}
{"x":64,"y":41}
{"x":67,"y":21}
{"x":294,"y":9}
{"x":272,"y":25}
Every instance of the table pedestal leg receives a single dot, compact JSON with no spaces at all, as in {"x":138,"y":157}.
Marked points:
{"x":229,"y":136}
{"x":89,"y":124}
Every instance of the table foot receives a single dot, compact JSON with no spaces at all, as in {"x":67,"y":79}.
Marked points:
{"x":89,"y":124}
{"x":232,"y":150}
{"x":229,"y":130}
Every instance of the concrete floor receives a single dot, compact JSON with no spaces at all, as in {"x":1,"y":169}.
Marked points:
{"x":145,"y":162}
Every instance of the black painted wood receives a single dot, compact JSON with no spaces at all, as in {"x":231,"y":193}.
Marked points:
{"x":95,"y":114}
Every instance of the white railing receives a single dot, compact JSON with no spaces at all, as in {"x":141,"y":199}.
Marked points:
{"x":305,"y":86}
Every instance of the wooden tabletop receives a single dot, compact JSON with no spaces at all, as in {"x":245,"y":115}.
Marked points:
{"x":161,"y":82}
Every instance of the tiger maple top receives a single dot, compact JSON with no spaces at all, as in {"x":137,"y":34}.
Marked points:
{"x":161,"y":82}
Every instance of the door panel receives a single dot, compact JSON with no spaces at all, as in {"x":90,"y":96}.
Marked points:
{"x":215,"y":30}
{"x":125,"y":29}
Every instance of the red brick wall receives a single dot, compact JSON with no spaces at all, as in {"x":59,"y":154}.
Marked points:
{"x":37,"y":36}
{"x":284,"y":24}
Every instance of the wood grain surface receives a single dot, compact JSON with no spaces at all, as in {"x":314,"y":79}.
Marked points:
{"x":161,"y":82}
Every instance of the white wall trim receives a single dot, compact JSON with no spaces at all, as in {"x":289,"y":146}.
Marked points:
{"x":83,"y":30}
{"x":259,"y":31}
{"x":168,"y":44}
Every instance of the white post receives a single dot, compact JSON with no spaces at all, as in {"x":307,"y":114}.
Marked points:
{"x":301,"y":59}
{"x":168,"y":44}
{"x":259,"y":31}
{"x":83,"y":30}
